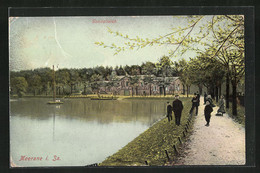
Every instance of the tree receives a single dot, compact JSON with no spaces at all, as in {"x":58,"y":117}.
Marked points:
{"x":134,"y":82}
{"x":34,"y":83}
{"x":128,"y":69}
{"x":207,"y":72}
{"x":148,"y":68}
{"x":120,"y":71}
{"x":19,"y":85}
{"x":148,"y":80}
{"x":46,"y":78}
{"x":183,"y":71}
{"x":62,"y":79}
{"x":95,"y":82}
{"x":73,"y":79}
{"x":164,"y":64}
{"x":213,"y":34}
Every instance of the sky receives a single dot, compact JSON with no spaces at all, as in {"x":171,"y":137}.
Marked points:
{"x":68,"y":42}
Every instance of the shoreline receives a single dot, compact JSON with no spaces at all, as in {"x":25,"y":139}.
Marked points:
{"x":151,"y":146}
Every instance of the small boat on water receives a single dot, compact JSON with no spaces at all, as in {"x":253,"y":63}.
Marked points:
{"x":54,"y":91}
{"x":55,"y":102}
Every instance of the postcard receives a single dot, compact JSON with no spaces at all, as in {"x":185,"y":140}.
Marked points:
{"x":160,"y":90}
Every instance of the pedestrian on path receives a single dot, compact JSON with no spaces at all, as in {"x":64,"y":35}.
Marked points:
{"x":221,"y":106}
{"x":198,"y":97}
{"x":207,"y":112}
{"x":177,"y":108}
{"x":195,"y":104}
{"x":169,"y":111}
{"x":210,"y":101}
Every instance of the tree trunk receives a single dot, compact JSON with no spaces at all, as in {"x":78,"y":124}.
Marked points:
{"x":71,"y":88}
{"x":136,"y":92}
{"x":183,"y":88}
{"x":213,"y":92}
{"x":187,"y":91}
{"x":34,"y":93}
{"x":216,"y":90}
{"x":164,"y":92}
{"x":234,"y":97}
{"x":132,"y":91}
{"x":63,"y":90}
{"x":200,"y":89}
{"x":219,"y":91}
{"x":150,"y":89}
{"x":227,"y":91}
{"x":85,"y":89}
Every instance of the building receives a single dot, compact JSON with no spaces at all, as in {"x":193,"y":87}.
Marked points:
{"x":143,"y":85}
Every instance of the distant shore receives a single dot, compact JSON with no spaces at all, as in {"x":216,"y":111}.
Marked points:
{"x":121,"y":97}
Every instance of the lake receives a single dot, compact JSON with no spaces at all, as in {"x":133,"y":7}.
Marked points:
{"x":77,"y":133}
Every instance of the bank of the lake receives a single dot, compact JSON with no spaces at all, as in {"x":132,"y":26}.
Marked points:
{"x":151,"y":146}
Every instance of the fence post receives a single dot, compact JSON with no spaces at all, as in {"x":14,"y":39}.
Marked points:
{"x":146,"y":163}
{"x":166,"y":152}
{"x":179,"y":140}
{"x":175,"y":149}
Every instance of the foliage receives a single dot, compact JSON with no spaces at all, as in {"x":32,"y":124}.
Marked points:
{"x":19,"y":85}
{"x":148,"y":68}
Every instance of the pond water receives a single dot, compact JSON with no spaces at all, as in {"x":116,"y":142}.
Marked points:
{"x":77,"y":133}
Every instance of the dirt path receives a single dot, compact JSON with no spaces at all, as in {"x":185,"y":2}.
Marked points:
{"x":222,"y":143}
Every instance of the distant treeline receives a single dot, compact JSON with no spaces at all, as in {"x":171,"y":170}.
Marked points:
{"x":40,"y":81}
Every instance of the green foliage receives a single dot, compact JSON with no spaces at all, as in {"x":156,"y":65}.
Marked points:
{"x":19,"y":85}
{"x":148,"y":68}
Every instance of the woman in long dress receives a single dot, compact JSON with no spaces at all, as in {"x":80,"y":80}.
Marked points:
{"x":221,"y":106}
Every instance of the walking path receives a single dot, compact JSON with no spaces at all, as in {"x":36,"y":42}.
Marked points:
{"x":222,"y":143}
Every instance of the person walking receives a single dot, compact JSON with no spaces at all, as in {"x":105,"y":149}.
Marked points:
{"x":198,"y":97}
{"x":207,"y":112}
{"x":177,"y":108}
{"x":210,"y":101}
{"x":221,"y":106}
{"x":205,"y":97}
{"x":195,"y":104}
{"x":169,"y":111}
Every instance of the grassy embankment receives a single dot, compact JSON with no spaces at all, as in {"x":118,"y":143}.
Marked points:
{"x":240,"y":117}
{"x":150,"y":146}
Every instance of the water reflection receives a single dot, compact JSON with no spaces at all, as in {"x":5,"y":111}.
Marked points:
{"x":80,"y":131}
{"x":92,"y":110}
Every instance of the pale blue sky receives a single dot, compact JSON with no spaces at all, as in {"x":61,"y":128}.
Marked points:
{"x":69,"y":41}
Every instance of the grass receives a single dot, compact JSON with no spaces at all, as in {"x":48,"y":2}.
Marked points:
{"x":240,"y":117}
{"x":150,"y":146}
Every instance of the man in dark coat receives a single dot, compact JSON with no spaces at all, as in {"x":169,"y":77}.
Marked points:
{"x":169,"y":111}
{"x":195,"y":104}
{"x":198,"y":97}
{"x":177,"y":108}
{"x":207,"y":111}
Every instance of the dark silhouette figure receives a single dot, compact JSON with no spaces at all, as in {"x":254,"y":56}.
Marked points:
{"x":209,"y":99}
{"x":177,"y":108}
{"x":195,"y":104}
{"x":205,"y":97}
{"x":207,"y":111}
{"x":169,"y":111}
{"x":198,"y":97}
